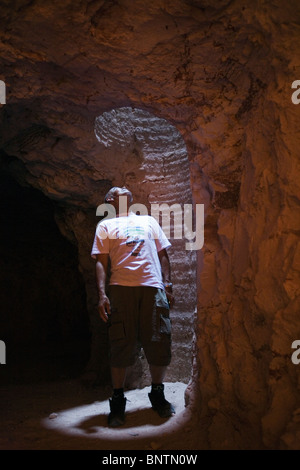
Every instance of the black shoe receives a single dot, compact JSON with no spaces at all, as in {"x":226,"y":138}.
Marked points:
{"x":160,"y":404}
{"x":116,"y":416}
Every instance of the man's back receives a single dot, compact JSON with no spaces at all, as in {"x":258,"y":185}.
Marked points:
{"x":133,"y":243}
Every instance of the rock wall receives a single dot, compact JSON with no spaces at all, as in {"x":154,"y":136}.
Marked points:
{"x":221,"y":74}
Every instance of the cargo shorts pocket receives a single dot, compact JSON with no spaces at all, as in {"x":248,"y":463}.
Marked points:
{"x":116,"y":329}
{"x":162,"y":326}
{"x":165,"y":325}
{"x":161,"y":300}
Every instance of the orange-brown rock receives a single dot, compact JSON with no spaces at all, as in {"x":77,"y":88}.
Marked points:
{"x":220,"y":73}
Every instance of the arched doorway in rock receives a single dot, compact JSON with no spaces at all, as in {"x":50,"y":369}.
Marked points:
{"x":148,"y":155}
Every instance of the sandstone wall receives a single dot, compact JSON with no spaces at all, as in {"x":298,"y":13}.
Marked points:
{"x":221,"y":73}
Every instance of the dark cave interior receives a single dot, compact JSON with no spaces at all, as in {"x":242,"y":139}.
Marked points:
{"x":45,"y":321}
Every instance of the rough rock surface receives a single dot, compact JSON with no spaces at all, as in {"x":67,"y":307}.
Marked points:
{"x":221,"y":74}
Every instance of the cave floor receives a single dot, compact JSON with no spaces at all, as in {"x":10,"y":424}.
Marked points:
{"x":66,"y":415}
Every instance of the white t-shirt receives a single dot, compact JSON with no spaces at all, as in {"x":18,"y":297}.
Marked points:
{"x":132,"y":243}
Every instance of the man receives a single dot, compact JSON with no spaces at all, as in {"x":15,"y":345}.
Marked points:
{"x":133,"y":248}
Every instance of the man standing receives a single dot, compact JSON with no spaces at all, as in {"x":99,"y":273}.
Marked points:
{"x":133,"y":248}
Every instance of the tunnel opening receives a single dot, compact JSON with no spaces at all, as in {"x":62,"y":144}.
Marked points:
{"x":44,"y":323}
{"x":147,"y":154}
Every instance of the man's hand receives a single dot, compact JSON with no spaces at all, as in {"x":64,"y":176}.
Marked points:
{"x":170,"y":297}
{"x":166,"y":275}
{"x":104,"y":308}
{"x":101,"y":270}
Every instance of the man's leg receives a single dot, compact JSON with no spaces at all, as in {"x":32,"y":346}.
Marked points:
{"x":157,"y":396}
{"x":117,"y":402}
{"x":121,"y":299}
{"x":157,"y":373}
{"x":156,"y":341}
{"x":118,"y":375}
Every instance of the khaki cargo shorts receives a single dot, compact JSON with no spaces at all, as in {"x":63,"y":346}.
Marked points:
{"x":139,"y":318}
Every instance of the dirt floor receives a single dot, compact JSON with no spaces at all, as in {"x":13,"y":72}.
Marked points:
{"x":65,"y":415}
{"x":49,"y":402}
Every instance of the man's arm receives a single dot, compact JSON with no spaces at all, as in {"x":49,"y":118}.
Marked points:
{"x":166,"y":275}
{"x":101,"y":273}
